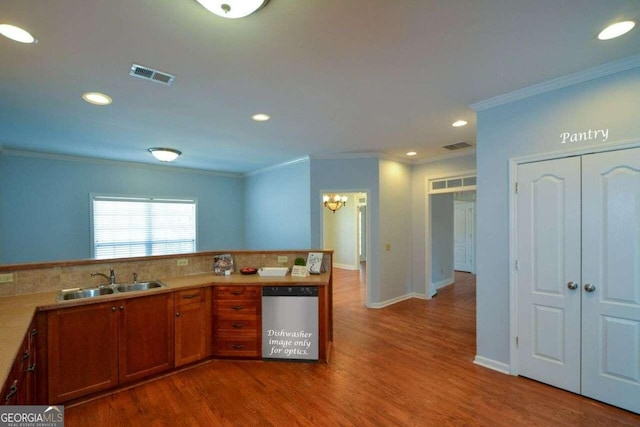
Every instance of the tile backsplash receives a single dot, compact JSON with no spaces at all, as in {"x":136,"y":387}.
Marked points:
{"x":55,"y":276}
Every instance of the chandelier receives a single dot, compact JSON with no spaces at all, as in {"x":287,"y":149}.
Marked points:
{"x":333,"y":202}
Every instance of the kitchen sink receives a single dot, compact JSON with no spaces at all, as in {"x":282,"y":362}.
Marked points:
{"x":142,"y":286}
{"x":86,"y":293}
{"x":94,"y":292}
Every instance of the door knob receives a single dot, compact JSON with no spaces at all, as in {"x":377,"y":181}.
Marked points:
{"x":589,"y":287}
{"x":572,"y":285}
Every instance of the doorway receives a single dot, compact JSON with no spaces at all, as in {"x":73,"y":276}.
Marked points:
{"x":346,"y":232}
{"x":577,"y":274}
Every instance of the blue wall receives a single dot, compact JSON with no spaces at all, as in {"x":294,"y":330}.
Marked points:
{"x":529,"y":127}
{"x":277,"y":208}
{"x":45,"y":208}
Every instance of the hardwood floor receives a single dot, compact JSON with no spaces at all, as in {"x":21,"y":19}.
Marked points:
{"x":407,"y":364}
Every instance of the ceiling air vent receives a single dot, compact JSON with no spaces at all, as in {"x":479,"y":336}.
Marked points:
{"x":151,"y":74}
{"x":457,"y":146}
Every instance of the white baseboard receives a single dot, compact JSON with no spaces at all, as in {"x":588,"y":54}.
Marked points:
{"x":391,"y":301}
{"x":492,"y":364}
{"x":443,"y":283}
{"x":346,"y":266}
{"x":417,"y":295}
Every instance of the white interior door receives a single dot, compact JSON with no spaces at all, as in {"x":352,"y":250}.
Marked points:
{"x":463,"y":235}
{"x":548,"y":248}
{"x":611,"y":265}
{"x":578,"y":223}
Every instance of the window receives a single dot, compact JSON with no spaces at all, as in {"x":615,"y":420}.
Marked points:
{"x":141,"y":226}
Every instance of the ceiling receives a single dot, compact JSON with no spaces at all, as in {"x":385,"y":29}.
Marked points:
{"x":336,"y":76}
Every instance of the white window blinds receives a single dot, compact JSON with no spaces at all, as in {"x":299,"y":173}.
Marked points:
{"x":129,"y":227}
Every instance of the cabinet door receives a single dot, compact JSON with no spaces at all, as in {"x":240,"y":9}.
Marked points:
{"x":146,"y":336}
{"x":83,"y":356}
{"x":193,"y":325}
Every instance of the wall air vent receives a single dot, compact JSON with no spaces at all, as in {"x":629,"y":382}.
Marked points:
{"x":457,"y":146}
{"x":151,"y":74}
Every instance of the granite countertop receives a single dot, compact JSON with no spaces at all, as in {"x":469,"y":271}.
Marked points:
{"x":16,"y":312}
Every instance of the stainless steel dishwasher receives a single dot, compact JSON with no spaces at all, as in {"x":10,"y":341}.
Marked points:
{"x":290,"y":323}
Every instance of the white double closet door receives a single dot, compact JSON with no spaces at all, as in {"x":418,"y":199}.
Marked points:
{"x":578,"y":277}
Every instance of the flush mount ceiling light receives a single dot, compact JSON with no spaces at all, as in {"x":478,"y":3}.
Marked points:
{"x":261,"y":117}
{"x":97,"y":98}
{"x":459,"y":123}
{"x":616,"y":30}
{"x":165,"y":154}
{"x":16,"y":34}
{"x":232,"y":9}
{"x":412,"y":153}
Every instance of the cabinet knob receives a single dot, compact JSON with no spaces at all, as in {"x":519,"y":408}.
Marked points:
{"x":589,"y":287}
{"x":113,"y":309}
{"x":121,"y":307}
{"x":572,"y":285}
{"x":178,"y":314}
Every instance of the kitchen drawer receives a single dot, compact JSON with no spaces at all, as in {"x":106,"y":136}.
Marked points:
{"x":237,"y":327}
{"x":190,"y":296}
{"x":237,"y":292}
{"x":237,"y":346}
{"x":234,"y":309}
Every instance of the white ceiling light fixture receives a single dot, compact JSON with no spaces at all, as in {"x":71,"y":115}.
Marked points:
{"x":261,"y":117}
{"x":97,"y":98}
{"x":412,"y":153}
{"x":459,"y":123}
{"x":232,"y":9}
{"x":17,"y":34}
{"x":616,"y":30}
{"x":165,"y":154}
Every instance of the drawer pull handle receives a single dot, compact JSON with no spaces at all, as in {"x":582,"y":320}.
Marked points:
{"x":12,"y":390}
{"x":238,"y":346}
{"x":237,"y":307}
{"x":25,"y":355}
{"x":190,"y":296}
{"x":237,"y":325}
{"x":237,"y":292}
{"x":31,"y":368}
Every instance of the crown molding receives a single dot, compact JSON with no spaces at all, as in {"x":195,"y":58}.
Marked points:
{"x":80,"y":159}
{"x":558,"y":83}
{"x":447,"y":156}
{"x":277,"y":166}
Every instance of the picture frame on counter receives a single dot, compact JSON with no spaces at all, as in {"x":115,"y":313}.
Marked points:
{"x":222,"y":265}
{"x":299,"y":271}
{"x":314,"y":262}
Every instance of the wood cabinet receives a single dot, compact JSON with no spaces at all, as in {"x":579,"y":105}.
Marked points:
{"x":237,"y":321}
{"x":20,"y":387}
{"x":192,"y":325}
{"x":98,"y":346}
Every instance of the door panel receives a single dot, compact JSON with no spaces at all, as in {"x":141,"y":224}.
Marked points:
{"x":548,"y":253}
{"x":611,"y":263}
{"x":463,"y":218}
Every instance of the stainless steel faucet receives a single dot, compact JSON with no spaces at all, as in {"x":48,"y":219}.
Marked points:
{"x":111,"y":277}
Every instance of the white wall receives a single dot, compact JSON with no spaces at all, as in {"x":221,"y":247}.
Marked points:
{"x":395,"y":230}
{"x":527,"y":127}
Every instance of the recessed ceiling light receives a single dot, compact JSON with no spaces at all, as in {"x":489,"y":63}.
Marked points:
{"x":411,"y":153}
{"x":616,"y":30}
{"x":17,"y":34}
{"x":97,"y":98}
{"x":459,"y":123}
{"x":261,"y":117}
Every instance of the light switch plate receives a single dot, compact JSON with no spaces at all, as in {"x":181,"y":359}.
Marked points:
{"x":183,"y":261}
{"x":282,"y":258}
{"x":6,"y":278}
